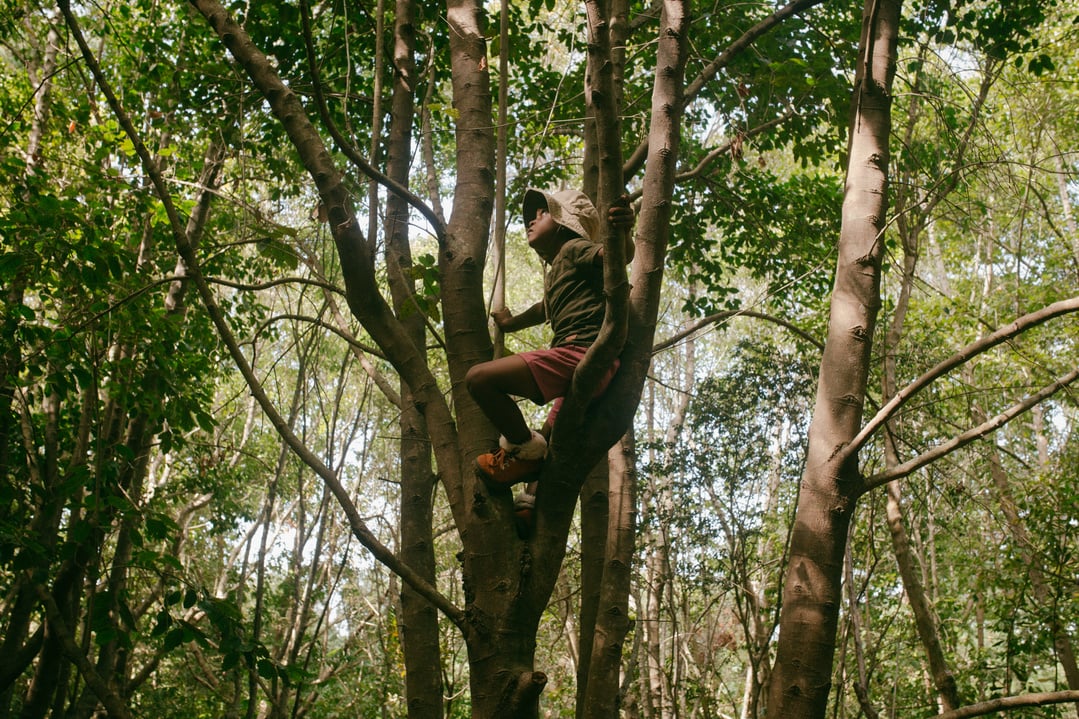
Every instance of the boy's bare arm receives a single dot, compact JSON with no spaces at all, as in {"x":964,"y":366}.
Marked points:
{"x":509,"y":322}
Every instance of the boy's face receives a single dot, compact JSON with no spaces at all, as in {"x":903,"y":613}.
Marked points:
{"x":542,"y":234}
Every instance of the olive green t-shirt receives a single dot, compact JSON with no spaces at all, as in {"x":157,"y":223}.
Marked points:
{"x":573,"y":293}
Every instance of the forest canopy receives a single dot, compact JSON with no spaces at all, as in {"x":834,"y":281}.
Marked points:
{"x":248,"y":253}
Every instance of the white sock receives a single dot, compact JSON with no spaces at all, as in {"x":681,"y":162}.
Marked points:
{"x":535,"y":448}
{"x":524,"y":500}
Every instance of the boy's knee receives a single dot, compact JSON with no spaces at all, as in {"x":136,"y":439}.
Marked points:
{"x":477,"y":378}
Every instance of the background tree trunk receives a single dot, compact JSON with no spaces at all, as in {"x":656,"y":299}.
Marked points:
{"x":603,"y":696}
{"x":801,"y":677}
{"x":419,"y":620}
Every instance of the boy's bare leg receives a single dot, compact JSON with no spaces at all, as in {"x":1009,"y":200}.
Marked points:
{"x":493,"y":385}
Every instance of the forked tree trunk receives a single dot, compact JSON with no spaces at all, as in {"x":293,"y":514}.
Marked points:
{"x":507,"y":582}
{"x":656,"y":695}
{"x":602,"y":168}
{"x":801,"y":679}
{"x":418,"y":619}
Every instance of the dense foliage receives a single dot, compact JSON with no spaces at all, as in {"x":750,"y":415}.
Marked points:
{"x":158,"y":536}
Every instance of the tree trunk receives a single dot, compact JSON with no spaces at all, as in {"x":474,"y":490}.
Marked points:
{"x":801,"y":678}
{"x":507,"y":582}
{"x":913,"y":213}
{"x":595,"y":511}
{"x":418,"y":619}
{"x":925,"y":623}
{"x":602,"y":695}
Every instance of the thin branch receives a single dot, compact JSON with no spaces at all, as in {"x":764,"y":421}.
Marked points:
{"x":694,"y":88}
{"x":727,"y":314}
{"x":427,"y":144}
{"x":1017,"y":702}
{"x":350,"y":151}
{"x":726,"y":147}
{"x":346,"y":336}
{"x":985,"y":428}
{"x":743,"y":43}
{"x":638,"y":155}
{"x":17,"y":115}
{"x":964,"y":355}
{"x":255,"y":287}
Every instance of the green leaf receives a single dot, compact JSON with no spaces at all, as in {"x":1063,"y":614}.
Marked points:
{"x":160,"y":526}
{"x":164,"y":621}
{"x":278,"y":252}
{"x":104,"y":636}
{"x":173,"y":639}
{"x":230,"y":660}
{"x":266,"y":669}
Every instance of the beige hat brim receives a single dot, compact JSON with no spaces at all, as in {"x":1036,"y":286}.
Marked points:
{"x":538,"y":199}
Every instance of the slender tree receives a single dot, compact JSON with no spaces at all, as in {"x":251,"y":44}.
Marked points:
{"x":801,"y":677}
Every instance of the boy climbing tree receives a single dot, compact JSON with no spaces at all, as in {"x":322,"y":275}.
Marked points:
{"x":562,"y":227}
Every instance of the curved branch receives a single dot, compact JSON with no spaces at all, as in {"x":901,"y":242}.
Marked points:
{"x":350,"y":151}
{"x":427,"y":146}
{"x":721,"y":61}
{"x":726,"y":147}
{"x":743,"y":43}
{"x":1016,"y":702}
{"x":14,"y":666}
{"x":720,"y":316}
{"x":359,"y":528}
{"x":270,"y":284}
{"x":973,"y":349}
{"x":346,"y":336}
{"x":359,"y":349}
{"x":987,"y":427}
{"x":635,"y":161}
{"x":364,"y":297}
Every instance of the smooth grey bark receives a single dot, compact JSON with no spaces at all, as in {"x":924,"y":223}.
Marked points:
{"x":655,"y":689}
{"x":658,"y":695}
{"x":943,"y":678}
{"x":801,"y":676}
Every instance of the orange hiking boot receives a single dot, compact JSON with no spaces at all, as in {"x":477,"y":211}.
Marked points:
{"x":513,"y":463}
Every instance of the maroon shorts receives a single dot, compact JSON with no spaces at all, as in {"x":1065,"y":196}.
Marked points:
{"x":553,"y":371}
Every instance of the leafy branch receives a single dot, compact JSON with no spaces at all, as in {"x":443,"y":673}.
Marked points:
{"x":359,"y":528}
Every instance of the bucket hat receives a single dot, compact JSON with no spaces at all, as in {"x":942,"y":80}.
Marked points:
{"x":570,"y":208}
